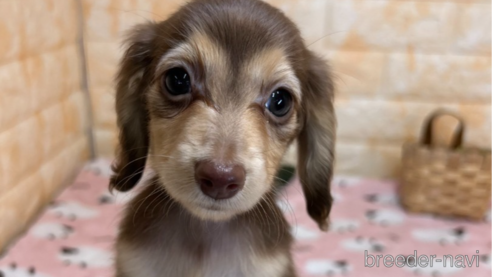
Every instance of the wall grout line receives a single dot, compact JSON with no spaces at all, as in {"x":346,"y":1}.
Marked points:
{"x":85,"y":80}
{"x":22,"y":120}
{"x":401,"y":51}
{"x":361,"y":99}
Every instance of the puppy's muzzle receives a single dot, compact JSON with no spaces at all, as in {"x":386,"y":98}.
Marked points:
{"x":219,"y":180}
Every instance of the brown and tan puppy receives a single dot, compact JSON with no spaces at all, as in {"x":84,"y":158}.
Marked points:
{"x":212,"y":97}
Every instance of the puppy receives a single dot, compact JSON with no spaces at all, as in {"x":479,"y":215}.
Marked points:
{"x":211,"y":98}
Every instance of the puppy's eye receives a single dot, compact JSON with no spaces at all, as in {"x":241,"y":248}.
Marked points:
{"x":177,"y":81}
{"x":279,"y":103}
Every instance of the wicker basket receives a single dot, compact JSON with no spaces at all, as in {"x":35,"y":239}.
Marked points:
{"x":453,"y":181}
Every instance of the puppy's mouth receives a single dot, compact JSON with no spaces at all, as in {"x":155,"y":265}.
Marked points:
{"x":215,"y":211}
{"x":213,"y":207}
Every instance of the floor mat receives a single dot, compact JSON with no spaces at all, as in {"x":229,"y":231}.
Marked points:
{"x":74,"y":236}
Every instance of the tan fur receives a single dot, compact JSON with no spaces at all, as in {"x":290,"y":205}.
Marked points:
{"x":174,"y":242}
{"x":271,"y":66}
{"x":237,"y":52}
{"x":221,"y":131}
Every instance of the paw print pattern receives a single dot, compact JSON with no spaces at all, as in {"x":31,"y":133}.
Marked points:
{"x":344,"y":226}
{"x":366,"y":216}
{"x":303,"y":233}
{"x":99,"y":167}
{"x":385,"y":217}
{"x":72,"y":210}
{"x":345,"y":182}
{"x":285,"y":206}
{"x":382,"y":199}
{"x":485,"y":260}
{"x":441,"y":236}
{"x":85,"y":257}
{"x":14,"y":271}
{"x":361,"y":244}
{"x":337,"y":197}
{"x":327,"y":267}
{"x":115,"y":197}
{"x":52,"y":230}
{"x":438,"y":268}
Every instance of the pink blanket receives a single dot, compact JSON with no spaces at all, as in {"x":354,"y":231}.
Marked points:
{"x":74,"y":236}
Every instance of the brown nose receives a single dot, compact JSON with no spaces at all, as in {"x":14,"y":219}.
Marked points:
{"x":219,"y":181}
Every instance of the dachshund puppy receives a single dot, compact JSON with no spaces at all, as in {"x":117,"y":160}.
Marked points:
{"x":211,"y":98}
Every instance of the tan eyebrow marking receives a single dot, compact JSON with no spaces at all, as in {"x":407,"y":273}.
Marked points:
{"x":270,"y":65}
{"x":200,"y":54}
{"x":198,"y":49}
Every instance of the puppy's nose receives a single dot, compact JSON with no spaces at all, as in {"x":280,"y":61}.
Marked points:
{"x":219,"y":181}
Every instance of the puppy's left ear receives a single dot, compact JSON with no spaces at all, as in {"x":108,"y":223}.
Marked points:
{"x":316,"y":140}
{"x":132,"y":119}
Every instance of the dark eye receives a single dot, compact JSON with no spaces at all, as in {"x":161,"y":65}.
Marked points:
{"x":279,"y":103}
{"x":177,"y":81}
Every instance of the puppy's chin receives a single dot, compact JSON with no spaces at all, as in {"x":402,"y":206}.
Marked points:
{"x":213,"y":213}
{"x":208,"y":209}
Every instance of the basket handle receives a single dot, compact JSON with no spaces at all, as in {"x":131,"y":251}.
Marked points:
{"x":428,"y":126}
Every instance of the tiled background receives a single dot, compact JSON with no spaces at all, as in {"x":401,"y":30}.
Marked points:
{"x":394,"y":61}
{"x":43,"y":115}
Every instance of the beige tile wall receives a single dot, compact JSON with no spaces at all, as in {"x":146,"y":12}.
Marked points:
{"x":394,"y":62}
{"x":42,"y":109}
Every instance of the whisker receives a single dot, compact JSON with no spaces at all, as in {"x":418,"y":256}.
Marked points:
{"x":141,"y":202}
{"x":325,"y":36}
{"x":129,"y":177}
{"x":158,"y":189}
{"x":279,"y":214}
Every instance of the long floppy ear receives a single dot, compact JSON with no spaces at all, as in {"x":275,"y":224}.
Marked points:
{"x":132,"y":117}
{"x":316,"y":140}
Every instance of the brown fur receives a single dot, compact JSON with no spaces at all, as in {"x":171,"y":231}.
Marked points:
{"x":159,"y":221}
{"x":236,"y":52}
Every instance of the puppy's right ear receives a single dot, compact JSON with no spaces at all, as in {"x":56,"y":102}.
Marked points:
{"x":316,"y":141}
{"x":131,"y":82}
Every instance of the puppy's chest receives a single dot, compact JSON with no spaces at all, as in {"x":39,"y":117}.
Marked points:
{"x":215,"y":254}
{"x":226,"y":257}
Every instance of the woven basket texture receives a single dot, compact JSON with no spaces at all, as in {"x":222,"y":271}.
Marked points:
{"x":452,"y":181}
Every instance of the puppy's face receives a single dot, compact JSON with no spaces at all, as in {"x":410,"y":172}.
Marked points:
{"x":214,"y":96}
{"x":238,"y":119}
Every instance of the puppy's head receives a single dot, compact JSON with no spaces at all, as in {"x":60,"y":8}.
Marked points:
{"x":213,"y":96}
